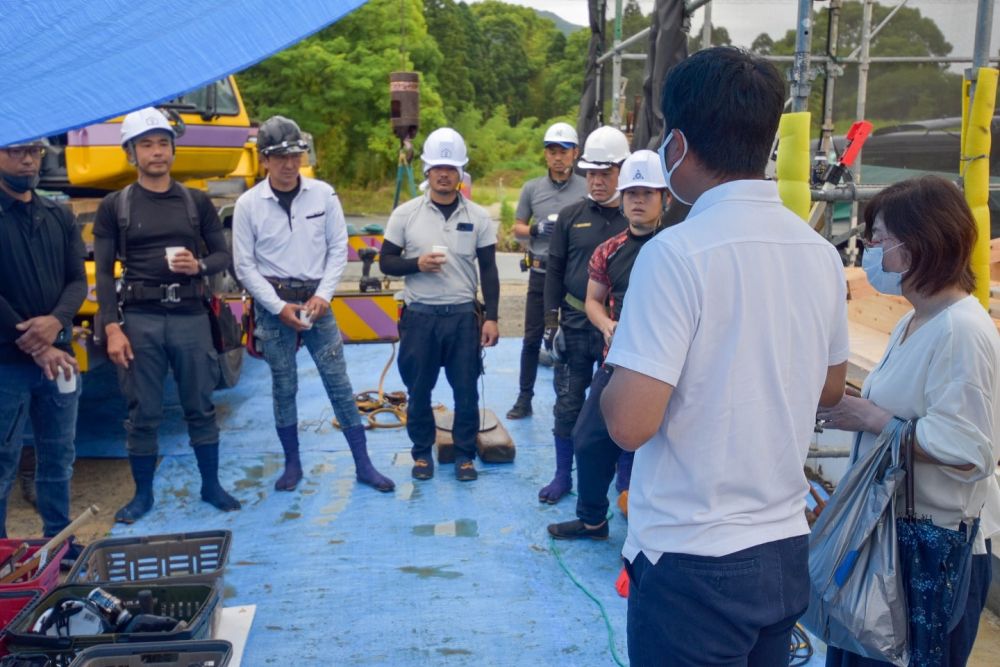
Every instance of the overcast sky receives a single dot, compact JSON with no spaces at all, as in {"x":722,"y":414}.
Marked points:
{"x":745,"y":19}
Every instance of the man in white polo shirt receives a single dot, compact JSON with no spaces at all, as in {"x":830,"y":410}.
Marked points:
{"x":734,"y":330}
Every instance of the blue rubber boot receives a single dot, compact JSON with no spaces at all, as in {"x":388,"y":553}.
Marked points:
{"x":211,"y":491}
{"x":143,"y":469}
{"x":562,"y":482}
{"x":290,"y":478}
{"x":363,"y":468}
{"x":623,"y":475}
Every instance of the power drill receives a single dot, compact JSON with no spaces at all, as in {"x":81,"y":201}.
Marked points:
{"x":368,"y":282}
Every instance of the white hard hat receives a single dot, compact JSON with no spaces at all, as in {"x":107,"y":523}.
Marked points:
{"x":562,"y":134}
{"x":605,"y":147}
{"x":641,"y":169}
{"x":444,"y":147}
{"x":145,"y":120}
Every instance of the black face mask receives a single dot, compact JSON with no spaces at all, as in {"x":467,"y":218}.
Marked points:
{"x":20,"y":184}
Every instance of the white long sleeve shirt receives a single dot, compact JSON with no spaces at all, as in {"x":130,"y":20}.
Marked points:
{"x":946,"y":373}
{"x":308,"y":244}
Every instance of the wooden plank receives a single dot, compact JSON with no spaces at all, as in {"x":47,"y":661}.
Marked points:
{"x":493,"y":446}
{"x":858,"y":286}
{"x":867,"y":347}
{"x":880,"y":312}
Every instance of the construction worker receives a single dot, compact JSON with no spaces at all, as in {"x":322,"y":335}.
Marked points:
{"x":541,"y":200}
{"x":290,"y":249}
{"x":435,"y":242}
{"x":644,"y":199}
{"x":158,"y":319}
{"x":42,"y":284}
{"x":733,"y":331}
{"x":581,"y":227}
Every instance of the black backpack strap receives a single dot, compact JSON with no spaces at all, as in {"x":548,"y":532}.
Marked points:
{"x":123,"y":205}
{"x":194,"y":219}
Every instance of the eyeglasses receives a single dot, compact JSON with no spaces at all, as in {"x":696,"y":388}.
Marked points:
{"x":19,"y":152}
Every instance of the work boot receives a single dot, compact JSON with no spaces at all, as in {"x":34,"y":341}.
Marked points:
{"x":423,"y":467}
{"x":465,"y":469}
{"x":292,"y":475}
{"x":364,"y":471}
{"x":562,"y":482}
{"x":143,"y":469}
{"x":26,"y":476}
{"x":576,"y":529}
{"x":211,"y":491}
{"x":522,"y":407}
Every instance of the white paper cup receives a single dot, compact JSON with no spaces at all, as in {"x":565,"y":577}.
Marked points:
{"x":305,"y":319}
{"x":172,"y":251}
{"x":443,"y":249}
{"x":65,"y":386}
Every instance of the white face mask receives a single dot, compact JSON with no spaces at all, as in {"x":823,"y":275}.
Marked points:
{"x":662,"y":151}
{"x":886,"y":282}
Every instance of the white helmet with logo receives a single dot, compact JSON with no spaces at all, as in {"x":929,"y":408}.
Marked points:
{"x":641,"y":169}
{"x":605,"y":147}
{"x":561,"y":134}
{"x":444,"y":147}
{"x":144,"y":121}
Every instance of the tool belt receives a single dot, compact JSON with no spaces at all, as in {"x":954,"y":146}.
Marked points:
{"x":537,"y":261}
{"x":164,"y":293}
{"x":289,"y":289}
{"x":574,"y":303}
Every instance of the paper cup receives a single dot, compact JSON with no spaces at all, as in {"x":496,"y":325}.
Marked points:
{"x":172,"y":251}
{"x":443,"y":249}
{"x":305,"y":319}
{"x":65,"y":386}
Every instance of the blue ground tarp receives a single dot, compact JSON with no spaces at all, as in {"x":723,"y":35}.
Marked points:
{"x":67,"y":63}
{"x":439,"y":572}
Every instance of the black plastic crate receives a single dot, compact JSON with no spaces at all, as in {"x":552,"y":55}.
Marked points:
{"x":186,"y":558}
{"x":198,"y":605}
{"x":213,"y":653}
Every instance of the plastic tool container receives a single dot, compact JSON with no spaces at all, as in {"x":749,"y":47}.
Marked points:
{"x":198,"y":605}
{"x":182,"y":558}
{"x":215,"y":653}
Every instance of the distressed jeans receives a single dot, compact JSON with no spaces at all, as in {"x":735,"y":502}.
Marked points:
{"x":25,"y":393}
{"x":279,"y":344}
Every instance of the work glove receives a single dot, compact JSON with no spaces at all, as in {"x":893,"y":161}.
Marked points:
{"x":544,"y":227}
{"x":551,"y":327}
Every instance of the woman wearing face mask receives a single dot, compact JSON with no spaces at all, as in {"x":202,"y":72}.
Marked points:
{"x":941,"y":367}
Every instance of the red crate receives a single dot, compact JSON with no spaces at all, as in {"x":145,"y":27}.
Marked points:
{"x":11,"y":604}
{"x":43,"y":581}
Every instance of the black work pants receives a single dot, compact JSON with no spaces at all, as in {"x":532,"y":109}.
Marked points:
{"x":584,"y":350}
{"x":596,"y":454}
{"x":182,"y":342}
{"x":428,"y":341}
{"x":534,"y":329}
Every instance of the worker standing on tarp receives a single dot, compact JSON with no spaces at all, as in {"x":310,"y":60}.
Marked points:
{"x":734,"y":328}
{"x":578,"y":347}
{"x":435,"y":242}
{"x":42,"y":284}
{"x":598,"y":459}
{"x":159,"y":318}
{"x":541,"y":200}
{"x":290,"y":249}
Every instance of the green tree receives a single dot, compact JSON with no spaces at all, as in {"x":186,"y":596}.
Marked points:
{"x":720,"y":37}
{"x":336,"y":85}
{"x":461,"y":73}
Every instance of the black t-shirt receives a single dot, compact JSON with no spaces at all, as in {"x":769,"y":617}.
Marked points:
{"x":158,"y":220}
{"x":611,"y":265}
{"x":41,"y":268}
{"x":446,"y":209}
{"x":581,"y":227}
{"x":285,"y":199}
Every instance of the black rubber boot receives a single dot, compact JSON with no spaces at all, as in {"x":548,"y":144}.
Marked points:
{"x":522,"y":407}
{"x":576,"y":529}
{"x":211,"y":491}
{"x":290,"y":478}
{"x":143,"y":470}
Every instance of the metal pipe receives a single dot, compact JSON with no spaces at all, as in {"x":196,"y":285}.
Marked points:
{"x":692,"y":5}
{"x":884,"y":59}
{"x":848,"y":192}
{"x":637,"y":37}
{"x":706,"y":27}
{"x":616,"y":68}
{"x":832,"y":71}
{"x":981,"y":48}
{"x":824,"y":453}
{"x":866,"y":42}
{"x":878,"y":29}
{"x":800,"y":66}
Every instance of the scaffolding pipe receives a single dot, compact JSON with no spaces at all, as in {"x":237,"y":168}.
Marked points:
{"x":800,"y":66}
{"x":626,"y":43}
{"x":877,"y":29}
{"x":616,"y":69}
{"x":706,"y":27}
{"x":981,"y":47}
{"x":866,"y":42}
{"x":832,"y":70}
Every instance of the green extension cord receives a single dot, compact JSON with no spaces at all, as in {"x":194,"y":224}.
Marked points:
{"x":604,"y":613}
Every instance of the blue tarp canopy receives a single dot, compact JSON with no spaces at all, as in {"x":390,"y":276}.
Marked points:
{"x":68,"y":63}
